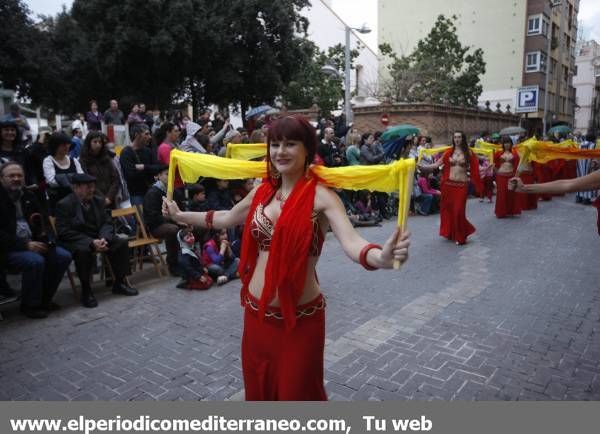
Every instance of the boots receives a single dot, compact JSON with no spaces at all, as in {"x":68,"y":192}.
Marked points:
{"x":87,"y":298}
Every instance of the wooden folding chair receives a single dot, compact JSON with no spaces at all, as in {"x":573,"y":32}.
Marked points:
{"x":105,"y":263}
{"x":142,"y":240}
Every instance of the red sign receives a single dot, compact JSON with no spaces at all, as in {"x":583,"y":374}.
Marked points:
{"x":385,"y":120}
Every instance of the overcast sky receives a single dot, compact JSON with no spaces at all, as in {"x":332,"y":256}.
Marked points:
{"x":358,"y":12}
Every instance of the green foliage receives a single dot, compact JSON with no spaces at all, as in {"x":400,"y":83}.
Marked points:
{"x":311,"y":86}
{"x":440,"y":69}
{"x":156,"y":51}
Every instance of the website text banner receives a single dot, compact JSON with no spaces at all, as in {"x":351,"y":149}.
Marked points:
{"x":332,"y":417}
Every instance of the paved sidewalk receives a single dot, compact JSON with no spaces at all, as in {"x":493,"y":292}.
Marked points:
{"x":513,"y":315}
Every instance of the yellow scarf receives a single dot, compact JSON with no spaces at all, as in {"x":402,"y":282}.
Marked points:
{"x":397,"y":176}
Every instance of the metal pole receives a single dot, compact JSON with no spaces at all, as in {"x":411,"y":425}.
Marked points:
{"x":347,"y":105}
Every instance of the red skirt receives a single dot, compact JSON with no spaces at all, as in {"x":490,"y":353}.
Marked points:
{"x":507,"y":201}
{"x":528,"y":201}
{"x":280,"y":365}
{"x":543,"y":173}
{"x":453,"y":220}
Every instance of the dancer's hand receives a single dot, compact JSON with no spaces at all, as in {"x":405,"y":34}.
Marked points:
{"x":395,"y":249}
{"x":170,"y":208}
{"x":516,"y":184}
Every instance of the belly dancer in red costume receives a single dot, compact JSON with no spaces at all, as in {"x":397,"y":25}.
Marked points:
{"x":286,"y":219}
{"x":460,"y":166}
{"x":508,"y":202}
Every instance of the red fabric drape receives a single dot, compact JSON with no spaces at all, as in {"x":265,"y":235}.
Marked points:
{"x":528,"y":201}
{"x":280,"y":364}
{"x":453,"y":220}
{"x":507,"y":201}
{"x":285,"y":272}
{"x":542,"y":173}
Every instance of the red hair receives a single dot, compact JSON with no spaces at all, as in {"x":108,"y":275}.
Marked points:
{"x":293,"y":128}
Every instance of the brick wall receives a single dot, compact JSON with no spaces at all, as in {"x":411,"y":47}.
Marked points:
{"x":435,"y":120}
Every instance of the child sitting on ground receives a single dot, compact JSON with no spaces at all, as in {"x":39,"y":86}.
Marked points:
{"x":364,"y":207}
{"x":219,"y":257}
{"x":194,"y":274}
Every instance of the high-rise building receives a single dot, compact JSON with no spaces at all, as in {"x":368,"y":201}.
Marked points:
{"x":587,"y":87}
{"x":517,"y":38}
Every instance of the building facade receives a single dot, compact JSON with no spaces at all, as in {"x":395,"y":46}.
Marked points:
{"x":587,"y":88}
{"x":327,"y":29}
{"x":517,"y":38}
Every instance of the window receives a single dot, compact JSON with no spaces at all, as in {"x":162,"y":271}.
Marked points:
{"x":537,"y":25}
{"x":536,"y":62}
{"x":545,"y":26}
{"x":534,"y":25}
{"x":533,"y":62}
{"x":543,"y":62}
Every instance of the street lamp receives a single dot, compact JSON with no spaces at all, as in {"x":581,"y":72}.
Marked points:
{"x":553,"y":4}
{"x":331,"y":70}
{"x":347,"y":105}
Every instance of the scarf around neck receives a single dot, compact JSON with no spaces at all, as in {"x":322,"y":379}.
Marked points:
{"x":285,"y":273}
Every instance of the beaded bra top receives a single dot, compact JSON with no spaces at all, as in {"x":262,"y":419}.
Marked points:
{"x":261,"y":229}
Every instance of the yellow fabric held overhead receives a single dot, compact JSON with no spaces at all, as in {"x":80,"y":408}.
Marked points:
{"x":246,"y":151}
{"x":432,"y":151}
{"x":488,"y":153}
{"x":542,"y":152}
{"x":385,"y":178}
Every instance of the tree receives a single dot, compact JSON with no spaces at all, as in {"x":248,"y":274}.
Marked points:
{"x":200,"y":51}
{"x":17,"y":51}
{"x":310,"y":85}
{"x":440,"y":69}
{"x":261,"y":51}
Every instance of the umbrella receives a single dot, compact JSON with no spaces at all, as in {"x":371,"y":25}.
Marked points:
{"x":256,"y":111}
{"x":393,"y":148}
{"x":495,"y":136}
{"x":561,"y":129}
{"x":399,"y":131}
{"x":512,"y":131}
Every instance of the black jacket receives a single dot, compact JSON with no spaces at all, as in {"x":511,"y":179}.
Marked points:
{"x":153,"y":207}
{"x":74,"y":233}
{"x":138,"y":181}
{"x":8,"y":223}
{"x":219,"y":200}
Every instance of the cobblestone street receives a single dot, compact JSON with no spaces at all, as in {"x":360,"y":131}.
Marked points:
{"x":513,"y":315}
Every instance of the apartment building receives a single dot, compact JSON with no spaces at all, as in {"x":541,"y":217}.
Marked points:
{"x":587,"y":88}
{"x":522,"y":40}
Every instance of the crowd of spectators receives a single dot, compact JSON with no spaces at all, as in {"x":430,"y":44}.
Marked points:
{"x":57,"y":193}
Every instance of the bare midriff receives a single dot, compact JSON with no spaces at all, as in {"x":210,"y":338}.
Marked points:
{"x":311,"y":286}
{"x":458,"y":168}
{"x":507,"y":166}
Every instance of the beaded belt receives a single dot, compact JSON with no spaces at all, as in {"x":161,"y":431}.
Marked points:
{"x":311,"y":310}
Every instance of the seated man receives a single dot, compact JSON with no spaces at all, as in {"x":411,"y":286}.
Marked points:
{"x":84,"y":228}
{"x":162,"y":227}
{"x":26,"y":244}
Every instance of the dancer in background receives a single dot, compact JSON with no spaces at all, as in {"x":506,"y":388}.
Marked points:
{"x":506,"y":161}
{"x":460,"y":166}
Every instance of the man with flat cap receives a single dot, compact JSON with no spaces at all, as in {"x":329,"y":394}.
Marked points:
{"x":84,"y":228}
